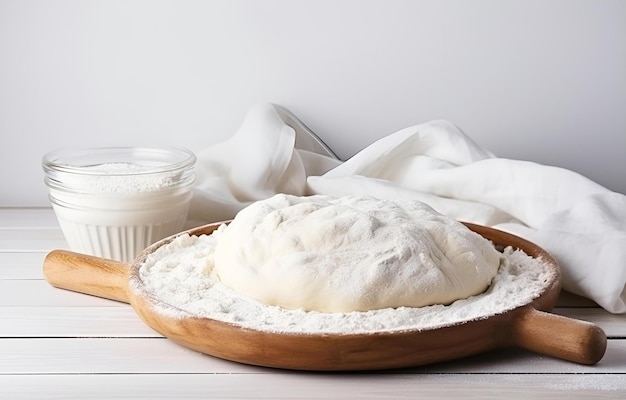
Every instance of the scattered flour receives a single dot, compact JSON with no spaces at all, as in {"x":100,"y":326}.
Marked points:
{"x":179,"y":274}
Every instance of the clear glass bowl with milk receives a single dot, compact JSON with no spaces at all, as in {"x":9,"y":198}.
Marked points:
{"x":113,"y":202}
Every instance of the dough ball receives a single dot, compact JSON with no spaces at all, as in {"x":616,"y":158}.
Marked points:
{"x":351,"y":254}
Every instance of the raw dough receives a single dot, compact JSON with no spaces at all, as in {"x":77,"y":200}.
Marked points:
{"x":351,"y":254}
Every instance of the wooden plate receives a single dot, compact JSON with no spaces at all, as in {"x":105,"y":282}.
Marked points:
{"x":529,"y":326}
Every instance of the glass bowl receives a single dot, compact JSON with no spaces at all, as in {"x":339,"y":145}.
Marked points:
{"x":113,"y":202}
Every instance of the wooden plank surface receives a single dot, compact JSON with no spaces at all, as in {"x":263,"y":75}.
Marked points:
{"x":28,"y":218}
{"x":37,"y":292}
{"x":21,"y":265}
{"x":60,"y":344}
{"x":159,"y":355}
{"x":120,"y":320}
{"x":33,"y":240}
{"x":67,"y":322}
{"x":312,"y":386}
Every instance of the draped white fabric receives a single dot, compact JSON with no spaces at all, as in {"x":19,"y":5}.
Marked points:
{"x":582,"y":224}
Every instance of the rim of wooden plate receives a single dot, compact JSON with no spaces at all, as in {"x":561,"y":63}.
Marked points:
{"x":339,"y":352}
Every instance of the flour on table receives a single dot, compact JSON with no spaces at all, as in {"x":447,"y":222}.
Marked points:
{"x":181,"y":275}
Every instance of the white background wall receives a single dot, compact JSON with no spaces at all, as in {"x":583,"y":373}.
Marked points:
{"x":535,"y":80}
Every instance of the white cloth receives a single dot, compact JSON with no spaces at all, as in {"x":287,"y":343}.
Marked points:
{"x":582,"y":224}
{"x":260,"y":160}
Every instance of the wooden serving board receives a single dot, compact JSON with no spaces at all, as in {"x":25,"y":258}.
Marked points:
{"x":531,"y":326}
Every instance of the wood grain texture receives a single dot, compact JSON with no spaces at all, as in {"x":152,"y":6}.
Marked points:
{"x":159,"y":355}
{"x":28,"y":218}
{"x":72,"y":321}
{"x":314,"y":386}
{"x":81,"y":319}
{"x":38,"y":240}
{"x":558,"y":336}
{"x":39,"y":293}
{"x":338,"y":352}
{"x":87,"y":274}
{"x":21,"y":265}
{"x":64,"y":345}
{"x":108,"y":356}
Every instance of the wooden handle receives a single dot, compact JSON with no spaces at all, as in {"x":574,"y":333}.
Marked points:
{"x":87,"y":274}
{"x":565,"y":338}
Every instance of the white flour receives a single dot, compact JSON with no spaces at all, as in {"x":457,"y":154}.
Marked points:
{"x":179,"y":275}
{"x":125,"y":178}
{"x":115,"y":210}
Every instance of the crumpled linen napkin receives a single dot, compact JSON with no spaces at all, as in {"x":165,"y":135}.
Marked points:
{"x":264,"y":157}
{"x":581,"y":223}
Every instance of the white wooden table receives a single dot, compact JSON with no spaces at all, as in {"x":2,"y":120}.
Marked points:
{"x":60,"y":344}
